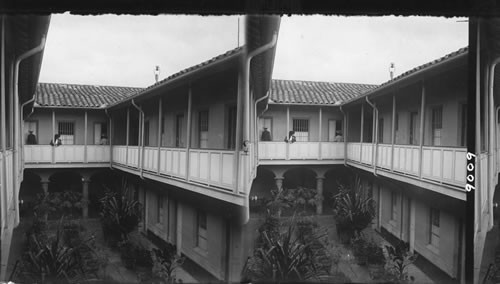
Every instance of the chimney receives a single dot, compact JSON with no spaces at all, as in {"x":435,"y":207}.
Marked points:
{"x":391,"y":70}
{"x":157,"y":73}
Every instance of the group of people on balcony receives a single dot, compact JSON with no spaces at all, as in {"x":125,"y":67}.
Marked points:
{"x":266,"y":136}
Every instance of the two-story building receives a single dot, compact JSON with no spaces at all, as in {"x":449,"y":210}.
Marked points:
{"x":22,"y":41}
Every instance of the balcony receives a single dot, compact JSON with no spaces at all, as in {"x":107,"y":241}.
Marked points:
{"x":39,"y":156}
{"x":444,"y":165}
{"x":207,"y":167}
{"x":300,"y":152}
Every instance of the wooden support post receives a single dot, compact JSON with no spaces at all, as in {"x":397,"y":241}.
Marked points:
{"x":422,"y":124}
{"x":188,"y":134}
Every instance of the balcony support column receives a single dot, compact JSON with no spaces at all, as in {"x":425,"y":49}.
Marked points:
{"x":319,"y":132}
{"x":160,"y":124}
{"x":362,"y":132}
{"x":127,"y":137}
{"x":188,"y":133}
{"x":53,"y":136}
{"x":422,"y":122}
{"x":85,"y":197}
{"x":287,"y":131}
{"x":319,"y":195}
{"x":411,"y":233}
{"x":279,"y":182}
{"x":393,"y":130}
{"x":45,"y":186}
{"x":85,"y":131}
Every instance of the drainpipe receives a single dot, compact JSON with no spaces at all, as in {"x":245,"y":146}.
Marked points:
{"x":345,"y":136}
{"x":141,"y":141}
{"x":492,"y":125}
{"x":375,"y":122}
{"x":110,"y":140}
{"x":246,"y":110}
{"x":17,"y":118}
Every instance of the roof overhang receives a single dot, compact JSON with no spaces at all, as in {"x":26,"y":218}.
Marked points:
{"x":391,"y":87}
{"x":184,"y":79}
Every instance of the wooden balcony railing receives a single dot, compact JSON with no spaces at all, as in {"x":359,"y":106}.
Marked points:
{"x":440,"y":164}
{"x":301,"y":151}
{"x":66,"y":154}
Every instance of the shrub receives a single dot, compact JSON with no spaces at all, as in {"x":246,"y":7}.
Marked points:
{"x":65,"y":203}
{"x":352,"y":209}
{"x":52,"y":259}
{"x":165,"y":262}
{"x":367,"y":251}
{"x":134,"y":254}
{"x":119,"y":215}
{"x":283,"y":257}
{"x":399,"y":258}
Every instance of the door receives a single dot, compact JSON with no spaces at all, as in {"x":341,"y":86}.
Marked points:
{"x":179,"y":130}
{"x":413,"y":128}
{"x":332,"y":130}
{"x":437,"y":125}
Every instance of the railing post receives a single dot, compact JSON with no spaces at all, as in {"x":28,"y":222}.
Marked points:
{"x":422,"y":122}
{"x":362,"y":132}
{"x":53,"y":135}
{"x":319,"y":132}
{"x":393,"y":130}
{"x":127,"y":137}
{"x":85,"y":160}
{"x":188,"y":134}
{"x":160,"y":124}
{"x":287,"y":157}
{"x":110,"y":141}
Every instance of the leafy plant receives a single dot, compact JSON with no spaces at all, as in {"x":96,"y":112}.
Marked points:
{"x":64,"y":203}
{"x":302,"y":198}
{"x":278,"y":202}
{"x":367,"y":251}
{"x":283,"y":258}
{"x":120,"y":215}
{"x":353,"y":209}
{"x":50,"y":259}
{"x":400,"y":258}
{"x":134,"y":254}
{"x":165,"y":262}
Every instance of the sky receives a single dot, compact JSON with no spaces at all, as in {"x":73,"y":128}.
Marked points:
{"x":124,"y":50}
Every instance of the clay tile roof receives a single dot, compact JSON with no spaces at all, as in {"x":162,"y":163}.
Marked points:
{"x":80,"y":96}
{"x":315,"y":93}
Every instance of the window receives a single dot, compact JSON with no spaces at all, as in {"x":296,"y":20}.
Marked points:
{"x":394,"y":204}
{"x":100,"y":130}
{"x":67,"y":131}
{"x":463,"y":128}
{"x":203,"y":129}
{"x":381,"y":130}
{"x":266,"y":122}
{"x":179,"y":130}
{"x":146,"y":133}
{"x":159,"y":209}
{"x":301,"y":128}
{"x":434,"y":227}
{"x":231,"y":127}
{"x":413,"y":128}
{"x":201,"y":220}
{"x":437,"y":125}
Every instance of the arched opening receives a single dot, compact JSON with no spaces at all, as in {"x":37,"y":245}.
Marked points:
{"x":68,"y":184}
{"x":260,"y":193}
{"x":300,"y":176}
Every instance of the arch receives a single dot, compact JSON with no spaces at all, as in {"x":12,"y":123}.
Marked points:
{"x":29,"y":188}
{"x":65,"y":180}
{"x":299,"y":176}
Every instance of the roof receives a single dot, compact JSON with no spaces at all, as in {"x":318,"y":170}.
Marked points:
{"x":80,"y":96}
{"x":423,"y":67}
{"x":315,"y":93}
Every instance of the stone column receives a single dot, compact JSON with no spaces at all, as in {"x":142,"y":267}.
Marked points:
{"x":319,"y":196}
{"x":279,"y":182}
{"x":45,"y":186}
{"x":85,"y":197}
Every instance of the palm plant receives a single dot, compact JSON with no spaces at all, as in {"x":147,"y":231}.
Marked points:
{"x":353,"y":209}
{"x":120,"y":215}
{"x":165,"y":262}
{"x":400,"y":258}
{"x":283,"y":258}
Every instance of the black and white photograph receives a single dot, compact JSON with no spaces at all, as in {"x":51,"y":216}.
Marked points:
{"x":249,"y":148}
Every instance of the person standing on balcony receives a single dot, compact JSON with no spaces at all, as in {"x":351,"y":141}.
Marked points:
{"x":31,"y":140}
{"x":291,"y":137}
{"x":338,"y":137}
{"x":57,"y":140}
{"x":104,"y":140}
{"x":266,"y":135}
